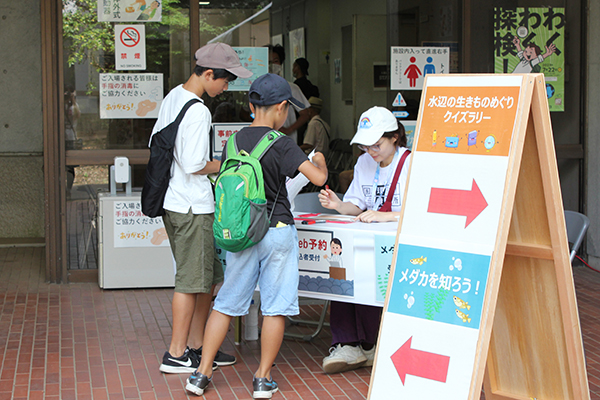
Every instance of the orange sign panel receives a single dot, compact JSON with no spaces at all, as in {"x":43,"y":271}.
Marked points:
{"x":468,"y":120}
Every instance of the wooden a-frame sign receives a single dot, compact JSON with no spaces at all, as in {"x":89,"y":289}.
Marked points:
{"x":481,"y":286}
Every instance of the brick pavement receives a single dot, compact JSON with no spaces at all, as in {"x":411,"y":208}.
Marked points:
{"x":76,"y":341}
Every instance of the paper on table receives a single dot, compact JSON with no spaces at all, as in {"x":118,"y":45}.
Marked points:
{"x":297,"y":183}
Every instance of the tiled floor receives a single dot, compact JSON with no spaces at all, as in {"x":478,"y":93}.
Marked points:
{"x":77,"y":341}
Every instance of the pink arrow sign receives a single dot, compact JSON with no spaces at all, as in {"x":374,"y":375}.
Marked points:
{"x":420,"y":363}
{"x":469,"y":203}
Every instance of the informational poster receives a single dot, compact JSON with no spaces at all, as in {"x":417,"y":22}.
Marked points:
{"x":454,"y":198}
{"x":384,"y":252}
{"x":326,"y":262}
{"x":410,"y":65}
{"x":134,"y":229}
{"x":130,"y":95}
{"x":255,"y":59}
{"x":221,"y":133}
{"x":454,"y":56}
{"x":529,"y":40}
{"x":130,"y":47}
{"x":129,"y":10}
{"x":297,"y":50}
{"x":409,"y":128}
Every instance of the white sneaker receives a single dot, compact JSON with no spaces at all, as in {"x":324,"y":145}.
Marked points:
{"x":370,"y":354}
{"x":343,"y":358}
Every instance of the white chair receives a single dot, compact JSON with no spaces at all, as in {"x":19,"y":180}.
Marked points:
{"x":577,"y":226}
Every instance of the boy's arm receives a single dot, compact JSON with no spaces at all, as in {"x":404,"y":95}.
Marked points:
{"x":315,"y":171}
{"x":211,"y":167}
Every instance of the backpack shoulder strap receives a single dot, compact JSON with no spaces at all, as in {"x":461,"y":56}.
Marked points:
{"x":265,"y":143}
{"x":232,"y":148}
{"x":184,"y":110}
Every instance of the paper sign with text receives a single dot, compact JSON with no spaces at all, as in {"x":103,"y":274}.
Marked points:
{"x":130,"y":95}
{"x":134,"y":229}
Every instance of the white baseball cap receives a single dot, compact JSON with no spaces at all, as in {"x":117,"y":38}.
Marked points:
{"x":372,"y":124}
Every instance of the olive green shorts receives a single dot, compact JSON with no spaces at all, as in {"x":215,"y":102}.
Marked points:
{"x":193,"y":247}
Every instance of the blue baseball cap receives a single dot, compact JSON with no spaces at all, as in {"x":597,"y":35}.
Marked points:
{"x":271,"y":89}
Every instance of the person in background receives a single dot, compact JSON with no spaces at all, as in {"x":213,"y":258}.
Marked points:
{"x":293,"y":121}
{"x":189,"y":205}
{"x":300,"y":72}
{"x":317,"y":132}
{"x":272,"y":262}
{"x":72,"y":114}
{"x":354,"y":327}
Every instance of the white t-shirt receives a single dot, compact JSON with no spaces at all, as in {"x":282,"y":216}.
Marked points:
{"x":360,"y":192}
{"x":191,"y":153}
{"x":291,"y":118}
{"x":524,"y":66}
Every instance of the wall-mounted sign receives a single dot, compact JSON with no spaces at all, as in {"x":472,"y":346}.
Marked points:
{"x":255,"y":59}
{"x":130,"y":95}
{"x":129,"y":10}
{"x":130,"y":47}
{"x":410,"y":65}
{"x":532,"y":40}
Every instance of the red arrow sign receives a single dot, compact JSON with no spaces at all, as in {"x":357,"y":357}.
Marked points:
{"x":420,"y":363}
{"x":469,"y":203}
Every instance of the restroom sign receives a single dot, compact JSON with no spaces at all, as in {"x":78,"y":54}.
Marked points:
{"x":410,"y":65}
{"x":130,"y":47}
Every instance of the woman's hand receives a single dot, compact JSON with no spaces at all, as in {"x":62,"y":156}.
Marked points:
{"x":329,"y":199}
{"x":377,"y":216}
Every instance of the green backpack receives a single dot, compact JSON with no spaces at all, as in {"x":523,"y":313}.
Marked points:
{"x":241,"y":205}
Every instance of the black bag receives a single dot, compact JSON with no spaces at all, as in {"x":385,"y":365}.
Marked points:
{"x":158,"y":170}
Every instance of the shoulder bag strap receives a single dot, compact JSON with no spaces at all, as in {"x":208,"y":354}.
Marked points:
{"x":387,"y":206}
{"x":321,"y":122}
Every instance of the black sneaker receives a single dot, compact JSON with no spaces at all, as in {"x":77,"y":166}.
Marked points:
{"x":186,"y":364}
{"x":263,"y":388}
{"x":221,"y":359}
{"x":196,"y":383}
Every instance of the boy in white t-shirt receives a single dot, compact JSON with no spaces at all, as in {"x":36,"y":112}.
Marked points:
{"x":189,"y":205}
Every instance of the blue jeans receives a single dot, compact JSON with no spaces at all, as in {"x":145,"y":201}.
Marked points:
{"x":273,"y":264}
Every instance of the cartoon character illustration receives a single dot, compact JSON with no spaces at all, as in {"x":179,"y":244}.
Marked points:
{"x":336,"y":253}
{"x":159,"y":236}
{"x":531,"y":56}
{"x":460,"y":303}
{"x":464,"y":317}
{"x":472,"y":138}
{"x":429,"y":68}
{"x":336,"y":266}
{"x":452,"y":142}
{"x":434,"y":141}
{"x":144,"y":107}
{"x":412,"y":72}
{"x":489,"y":142}
{"x":418,"y":261}
{"x":139,"y":4}
{"x":148,"y":12}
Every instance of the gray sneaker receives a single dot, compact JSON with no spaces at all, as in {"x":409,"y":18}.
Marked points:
{"x":263,"y":388}
{"x":196,"y":383}
{"x":221,"y":359}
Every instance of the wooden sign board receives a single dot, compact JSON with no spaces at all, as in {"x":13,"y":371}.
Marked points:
{"x":481,"y":272}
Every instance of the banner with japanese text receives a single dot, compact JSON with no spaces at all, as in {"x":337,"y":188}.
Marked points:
{"x":129,"y":10}
{"x":130,"y":95}
{"x":529,"y":40}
